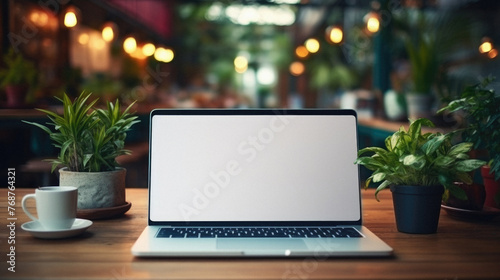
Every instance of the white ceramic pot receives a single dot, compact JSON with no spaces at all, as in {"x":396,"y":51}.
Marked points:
{"x":395,"y":106}
{"x":96,"y":189}
{"x":419,"y":105}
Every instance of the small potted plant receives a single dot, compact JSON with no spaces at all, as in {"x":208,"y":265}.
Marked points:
{"x":420,"y":170}
{"x":18,"y":76}
{"x":89,"y":140}
{"x":481,"y":109}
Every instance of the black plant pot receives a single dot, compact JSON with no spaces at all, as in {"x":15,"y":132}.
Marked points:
{"x":417,"y":208}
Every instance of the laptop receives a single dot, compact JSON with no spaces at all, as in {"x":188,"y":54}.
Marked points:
{"x":254,"y":183}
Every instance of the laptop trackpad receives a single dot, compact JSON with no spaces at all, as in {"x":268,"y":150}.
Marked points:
{"x":269,"y":244}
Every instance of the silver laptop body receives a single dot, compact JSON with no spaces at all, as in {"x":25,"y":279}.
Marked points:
{"x":254,"y":183}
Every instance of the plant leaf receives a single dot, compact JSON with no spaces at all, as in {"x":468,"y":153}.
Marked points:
{"x":382,"y":186}
{"x":417,"y":162}
{"x":460,"y":148}
{"x":457,"y":192}
{"x":469,"y":165}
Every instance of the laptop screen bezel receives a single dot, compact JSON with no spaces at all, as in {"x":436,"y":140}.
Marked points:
{"x":249,"y":112}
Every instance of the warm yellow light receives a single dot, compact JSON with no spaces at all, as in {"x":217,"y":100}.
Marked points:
{"x":373,"y":24}
{"x":240,"y":62}
{"x":164,"y":55}
{"x":169,"y":55}
{"x":335,"y":35}
{"x":493,"y":53}
{"x":83,"y":39}
{"x":137,"y":54}
{"x":108,"y":34}
{"x":109,"y":31}
{"x":301,"y":52}
{"x":97,"y":43}
{"x":129,"y":45}
{"x":148,"y":49}
{"x":39,"y":18}
{"x":485,"y":47}
{"x":297,"y":68}
{"x":312,"y":45}
{"x":70,"y":19}
{"x":34,"y":16}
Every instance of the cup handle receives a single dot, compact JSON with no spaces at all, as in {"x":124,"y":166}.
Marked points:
{"x":25,"y":209}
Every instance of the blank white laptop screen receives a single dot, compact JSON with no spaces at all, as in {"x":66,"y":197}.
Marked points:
{"x":253,"y":168}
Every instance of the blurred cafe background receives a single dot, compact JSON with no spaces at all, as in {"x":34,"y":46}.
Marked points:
{"x":367,"y":55}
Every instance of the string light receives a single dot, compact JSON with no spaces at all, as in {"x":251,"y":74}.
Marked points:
{"x":108,"y":34}
{"x":164,"y":55}
{"x":297,"y":68}
{"x":301,"y":52}
{"x":486,"y":45}
{"x":487,"y":48}
{"x":493,"y":53}
{"x":70,"y":18}
{"x":109,"y":31}
{"x":83,"y":38}
{"x":312,"y":45}
{"x":372,"y":22}
{"x":334,"y":34}
{"x":240,"y":64}
{"x":129,"y":45}
{"x":148,"y":49}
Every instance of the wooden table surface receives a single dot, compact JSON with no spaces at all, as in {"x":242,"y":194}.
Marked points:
{"x":460,"y":250}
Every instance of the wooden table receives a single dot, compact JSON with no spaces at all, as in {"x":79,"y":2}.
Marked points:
{"x":460,"y":250}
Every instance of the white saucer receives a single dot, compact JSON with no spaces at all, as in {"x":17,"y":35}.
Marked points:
{"x":78,"y":227}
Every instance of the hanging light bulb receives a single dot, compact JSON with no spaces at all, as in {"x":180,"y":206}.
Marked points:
{"x":297,"y":68}
{"x":71,"y":17}
{"x":109,"y":31}
{"x":334,"y":34}
{"x":107,"y":34}
{"x":129,"y":45}
{"x":312,"y":45}
{"x":240,"y":64}
{"x":148,"y":49}
{"x":301,"y":52}
{"x":372,"y":22}
{"x":83,"y":38}
{"x":486,"y":45}
{"x":164,"y":54}
{"x":493,"y":53}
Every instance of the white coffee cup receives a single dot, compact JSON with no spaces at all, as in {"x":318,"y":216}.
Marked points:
{"x":55,"y":206}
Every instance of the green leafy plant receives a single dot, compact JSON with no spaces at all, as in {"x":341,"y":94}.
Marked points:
{"x":429,"y":38}
{"x":89,"y":139}
{"x":18,"y":70}
{"x":413,"y":158}
{"x":424,"y":62}
{"x":481,"y":108}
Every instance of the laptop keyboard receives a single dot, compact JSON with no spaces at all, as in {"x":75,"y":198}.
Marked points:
{"x":252,"y":232}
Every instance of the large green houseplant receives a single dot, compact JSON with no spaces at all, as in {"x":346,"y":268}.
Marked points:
{"x":17,"y":78}
{"x":430,"y":38}
{"x":480,"y":106}
{"x":89,"y":140}
{"x":421,"y":41}
{"x":422,"y":166}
